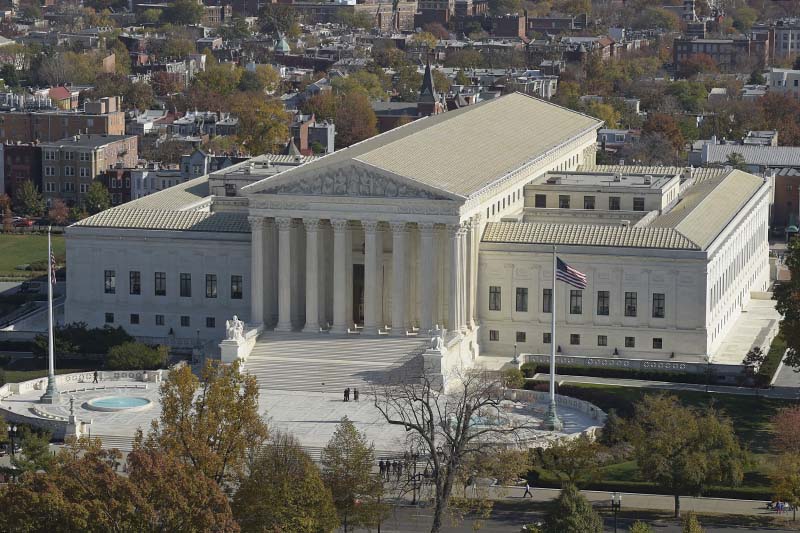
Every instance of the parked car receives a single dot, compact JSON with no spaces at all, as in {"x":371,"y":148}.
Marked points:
{"x":23,"y":223}
{"x":31,"y":287}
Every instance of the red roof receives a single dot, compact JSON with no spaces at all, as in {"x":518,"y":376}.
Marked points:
{"x":60,"y":93}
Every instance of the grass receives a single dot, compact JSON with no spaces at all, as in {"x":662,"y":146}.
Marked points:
{"x":18,"y":250}
{"x":16,"y":376}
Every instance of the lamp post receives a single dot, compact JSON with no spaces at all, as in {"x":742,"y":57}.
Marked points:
{"x":12,"y":432}
{"x":616,"y":505}
{"x":515,"y":360}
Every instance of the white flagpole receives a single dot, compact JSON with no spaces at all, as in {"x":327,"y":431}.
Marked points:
{"x":551,"y":420}
{"x":51,"y":394}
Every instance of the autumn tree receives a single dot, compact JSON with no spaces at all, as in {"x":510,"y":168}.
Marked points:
{"x":787,"y":295}
{"x":347,"y":462}
{"x":28,"y":201}
{"x":8,"y":216}
{"x":690,"y":524}
{"x":786,"y":431}
{"x":573,"y":460}
{"x":571,"y":512}
{"x":322,"y":105}
{"x":59,"y":212}
{"x":35,"y":453}
{"x":97,"y":198}
{"x":165,"y":83}
{"x":212,"y":423}
{"x":666,"y":126}
{"x":785,"y":477}
{"x":263,"y":123}
{"x":279,"y":18}
{"x":697,"y":64}
{"x":437,"y":30}
{"x":682,"y":449}
{"x":283,"y":491}
{"x":450,"y":427}
{"x":183,"y":12}
{"x":355,"y":120}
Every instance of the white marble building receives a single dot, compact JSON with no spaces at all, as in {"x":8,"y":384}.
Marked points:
{"x":436,"y":223}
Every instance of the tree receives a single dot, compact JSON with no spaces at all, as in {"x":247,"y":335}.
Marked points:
{"x":59,"y":212}
{"x":571,"y":512}
{"x":424,"y":40}
{"x":573,"y":460}
{"x":787,"y":295}
{"x":139,"y":96}
{"x":437,"y":30}
{"x":666,"y":126}
{"x":3,"y":430}
{"x":165,"y":83}
{"x":461,"y":78}
{"x":467,"y":58}
{"x":785,"y":476}
{"x":691,"y":524}
{"x":263,"y":124}
{"x":28,"y":201}
{"x":744,"y":17}
{"x":35,"y":453}
{"x":372,"y":84}
{"x":8,"y":216}
{"x":757,"y":78}
{"x":504,"y":7}
{"x":149,"y":16}
{"x":283,"y":491}
{"x":450,"y":427}
{"x":604,"y":112}
{"x":786,"y":430}
{"x":83,"y":492}
{"x":347,"y":463}
{"x":136,"y":356}
{"x":737,"y":161}
{"x":322,"y":105}
{"x":684,"y":450}
{"x":9,"y":75}
{"x":183,"y":12}
{"x":355,"y":120}
{"x":279,"y":18}
{"x":408,"y":82}
{"x":218,"y":79}
{"x":212,"y":423}
{"x":97,"y":198}
{"x":640,"y":527}
{"x":697,"y":64}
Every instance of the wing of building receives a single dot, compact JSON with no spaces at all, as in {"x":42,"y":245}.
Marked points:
{"x":448,"y":221}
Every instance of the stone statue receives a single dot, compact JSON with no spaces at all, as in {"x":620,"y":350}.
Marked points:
{"x":72,"y":406}
{"x":234,"y":329}
{"x":437,"y":343}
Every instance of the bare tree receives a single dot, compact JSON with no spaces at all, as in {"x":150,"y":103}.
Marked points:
{"x":452,"y":426}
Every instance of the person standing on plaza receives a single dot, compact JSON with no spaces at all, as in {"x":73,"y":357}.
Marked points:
{"x":95,"y":376}
{"x":528,"y":490}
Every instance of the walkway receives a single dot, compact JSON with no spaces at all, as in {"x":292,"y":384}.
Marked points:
{"x":330,"y":363}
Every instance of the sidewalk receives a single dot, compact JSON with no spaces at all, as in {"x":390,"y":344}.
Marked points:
{"x":785,"y":393}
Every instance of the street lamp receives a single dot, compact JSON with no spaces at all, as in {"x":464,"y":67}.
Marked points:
{"x":616,"y":505}
{"x":515,"y":360}
{"x":12,"y":432}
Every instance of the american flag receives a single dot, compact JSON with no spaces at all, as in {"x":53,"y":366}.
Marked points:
{"x":52,"y":268}
{"x":569,"y":275}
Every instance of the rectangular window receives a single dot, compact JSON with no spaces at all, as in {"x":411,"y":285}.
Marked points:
{"x":236,"y":287}
{"x":494,"y":335}
{"x":84,"y":173}
{"x":135,"y":282}
{"x":588,"y":202}
{"x":110,"y":282}
{"x":494,"y":298}
{"x":522,"y":300}
{"x":630,"y":304}
{"x":159,"y":320}
{"x":161,"y":284}
{"x":50,"y":186}
{"x":109,"y":318}
{"x":185,"y":321}
{"x":576,"y":302}
{"x":574,"y":339}
{"x":84,"y":188}
{"x":630,"y":342}
{"x":50,"y":171}
{"x":602,"y":303}
{"x":186,"y":285}
{"x":657,"y":343}
{"x":211,"y":285}
{"x":602,"y":340}
{"x":49,"y":155}
{"x":613,"y":203}
{"x":521,"y":336}
{"x":69,"y":171}
{"x":563,"y":201}
{"x":638,"y":204}
{"x":211,"y":322}
{"x":547,"y":300}
{"x":658,"y":305}
{"x":540,"y":201}
{"x":134,"y":318}
{"x":546,"y":338}
{"x":84,"y":156}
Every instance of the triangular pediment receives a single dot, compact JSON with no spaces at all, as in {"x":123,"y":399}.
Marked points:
{"x":351,"y":178}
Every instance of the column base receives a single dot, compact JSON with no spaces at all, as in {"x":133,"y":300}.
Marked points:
{"x":399,"y":331}
{"x":310,"y":329}
{"x":371,"y":331}
{"x":338,"y":329}
{"x":285,"y":327}
{"x":551,"y":421}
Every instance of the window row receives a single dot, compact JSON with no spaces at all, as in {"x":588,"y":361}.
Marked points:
{"x":186,"y":320}
{"x":576,"y":302}
{"x":160,"y":284}
{"x":589,"y":202}
{"x":52,"y":186}
{"x":51,"y":155}
{"x":574,"y":339}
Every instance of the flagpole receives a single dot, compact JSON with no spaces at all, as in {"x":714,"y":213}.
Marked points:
{"x":51,"y":394}
{"x":551,"y":420}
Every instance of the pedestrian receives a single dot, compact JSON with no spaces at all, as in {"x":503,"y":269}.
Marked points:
{"x":355,"y":394}
{"x":95,"y":376}
{"x":528,"y":490}
{"x":381,"y":467}
{"x":347,"y":394}
{"x":399,"y":470}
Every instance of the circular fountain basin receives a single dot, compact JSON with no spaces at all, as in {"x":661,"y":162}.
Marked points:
{"x":118,"y":403}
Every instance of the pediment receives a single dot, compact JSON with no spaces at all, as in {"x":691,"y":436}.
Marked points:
{"x":353,"y":179}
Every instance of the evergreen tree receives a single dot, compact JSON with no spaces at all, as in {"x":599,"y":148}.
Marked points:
{"x":28,"y":200}
{"x":572,"y":513}
{"x":97,"y":198}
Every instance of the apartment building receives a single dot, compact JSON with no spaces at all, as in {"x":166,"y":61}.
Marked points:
{"x":103,"y":117}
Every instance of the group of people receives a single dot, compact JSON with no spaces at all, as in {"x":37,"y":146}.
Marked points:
{"x":388,"y":468}
{"x":347,"y":394}
{"x":779,"y":506}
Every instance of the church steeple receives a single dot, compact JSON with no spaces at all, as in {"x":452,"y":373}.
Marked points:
{"x":427,"y":92}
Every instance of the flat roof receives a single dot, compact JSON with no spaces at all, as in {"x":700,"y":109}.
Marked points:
{"x":604,"y":179}
{"x":86,"y":140}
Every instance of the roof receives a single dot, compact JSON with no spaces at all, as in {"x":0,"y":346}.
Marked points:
{"x":699,"y":174}
{"x":765,"y":156}
{"x":60,"y":93}
{"x":168,"y":220}
{"x":87,"y":140}
{"x":586,"y":235}
{"x":179,"y":197}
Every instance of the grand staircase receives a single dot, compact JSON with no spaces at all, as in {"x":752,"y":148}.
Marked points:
{"x":330,"y":363}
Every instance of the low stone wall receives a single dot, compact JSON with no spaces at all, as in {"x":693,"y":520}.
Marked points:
{"x":530,"y":396}
{"x":644,"y":365}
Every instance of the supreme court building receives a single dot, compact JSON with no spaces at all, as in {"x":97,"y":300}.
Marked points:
{"x":449,"y":221}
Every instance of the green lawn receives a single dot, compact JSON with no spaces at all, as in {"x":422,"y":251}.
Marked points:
{"x":16,"y":376}
{"x":18,"y":250}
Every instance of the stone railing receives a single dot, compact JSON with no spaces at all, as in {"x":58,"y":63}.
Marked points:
{"x":530,"y":396}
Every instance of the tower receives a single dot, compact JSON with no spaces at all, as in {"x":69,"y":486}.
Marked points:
{"x":428,"y":102}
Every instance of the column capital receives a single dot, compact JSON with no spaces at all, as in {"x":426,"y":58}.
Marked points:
{"x":399,"y":227}
{"x":339,"y":225}
{"x":426,"y":227}
{"x":311,"y":224}
{"x":370,"y":226}
{"x":284,"y":223}
{"x":256,"y":223}
{"x":455,"y":230}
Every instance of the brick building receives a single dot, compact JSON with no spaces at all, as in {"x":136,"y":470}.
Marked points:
{"x":21,"y":163}
{"x":102,"y":117}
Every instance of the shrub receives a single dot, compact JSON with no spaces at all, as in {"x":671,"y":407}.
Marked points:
{"x":529,"y":369}
{"x":513,"y":378}
{"x":77,"y":340}
{"x":136,"y":355}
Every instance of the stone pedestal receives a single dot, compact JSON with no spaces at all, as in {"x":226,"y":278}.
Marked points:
{"x":239,"y":349}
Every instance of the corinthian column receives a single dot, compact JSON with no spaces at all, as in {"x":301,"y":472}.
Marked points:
{"x":256,"y":269}
{"x":454,"y":299}
{"x":399,"y":282}
{"x":339,"y":276}
{"x":284,"y":274}
{"x":312,"y":275}
{"x":373,"y":249}
{"x":427,"y":276}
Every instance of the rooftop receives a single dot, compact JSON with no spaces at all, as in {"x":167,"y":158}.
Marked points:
{"x":610,"y":180}
{"x":87,"y":140}
{"x":766,"y":156}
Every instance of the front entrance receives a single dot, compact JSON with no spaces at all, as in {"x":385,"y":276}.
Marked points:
{"x":358,"y":294}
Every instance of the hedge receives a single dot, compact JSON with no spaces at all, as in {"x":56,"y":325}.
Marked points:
{"x":529,"y":369}
{"x":770,"y":365}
